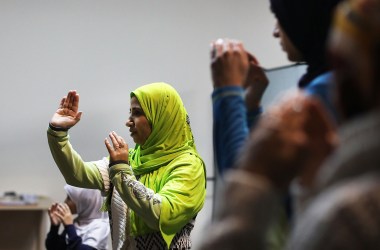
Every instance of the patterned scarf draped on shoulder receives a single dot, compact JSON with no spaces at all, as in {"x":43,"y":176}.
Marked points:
{"x":171,"y":133}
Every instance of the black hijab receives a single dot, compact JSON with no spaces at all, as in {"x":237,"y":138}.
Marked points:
{"x":307,"y":22}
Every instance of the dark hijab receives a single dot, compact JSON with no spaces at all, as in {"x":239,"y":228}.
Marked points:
{"x":307,"y":24}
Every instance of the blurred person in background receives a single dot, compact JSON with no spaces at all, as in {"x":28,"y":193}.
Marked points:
{"x":88,"y":230}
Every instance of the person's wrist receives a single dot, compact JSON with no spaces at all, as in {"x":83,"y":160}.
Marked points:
{"x":228,"y":84}
{"x":252,"y":106}
{"x":228,"y":80}
{"x":57,"y":128}
{"x":115,"y":162}
{"x":68,"y":222}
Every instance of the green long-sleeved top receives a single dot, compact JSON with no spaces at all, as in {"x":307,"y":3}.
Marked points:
{"x":138,"y":209}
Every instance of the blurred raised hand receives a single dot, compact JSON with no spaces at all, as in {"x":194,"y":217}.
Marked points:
{"x":255,"y":84}
{"x":232,"y":65}
{"x":229,"y":63}
{"x":292,"y":138}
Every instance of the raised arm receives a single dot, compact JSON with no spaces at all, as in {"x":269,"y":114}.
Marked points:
{"x":75,"y":171}
{"x":239,"y":83}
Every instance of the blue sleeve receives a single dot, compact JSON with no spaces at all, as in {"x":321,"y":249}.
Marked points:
{"x":74,"y":241}
{"x":230,"y":127}
{"x":322,"y":87}
{"x":54,"y":241}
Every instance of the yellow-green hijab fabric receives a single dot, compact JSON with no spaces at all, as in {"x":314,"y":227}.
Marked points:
{"x":169,"y":148}
{"x":171,"y":134}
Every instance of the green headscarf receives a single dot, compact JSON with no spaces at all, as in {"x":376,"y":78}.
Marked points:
{"x":171,"y":134}
{"x":169,"y":149}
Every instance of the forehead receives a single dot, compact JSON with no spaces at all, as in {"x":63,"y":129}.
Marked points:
{"x":135,"y":103}
{"x":68,"y":199}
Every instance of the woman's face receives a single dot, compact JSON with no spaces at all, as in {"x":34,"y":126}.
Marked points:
{"x":138,"y":124}
{"x":290,"y":49}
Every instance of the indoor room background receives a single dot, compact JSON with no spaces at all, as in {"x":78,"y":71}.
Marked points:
{"x":104,"y":50}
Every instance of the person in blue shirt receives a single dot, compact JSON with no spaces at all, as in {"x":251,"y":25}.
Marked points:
{"x":239,"y":81}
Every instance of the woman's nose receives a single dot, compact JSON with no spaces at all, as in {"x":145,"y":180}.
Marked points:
{"x":129,"y":123}
{"x":276,"y":31}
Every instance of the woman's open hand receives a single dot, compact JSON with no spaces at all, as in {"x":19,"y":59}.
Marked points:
{"x":67,"y":115}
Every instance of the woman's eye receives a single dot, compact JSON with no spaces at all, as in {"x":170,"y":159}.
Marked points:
{"x":136,"y":112}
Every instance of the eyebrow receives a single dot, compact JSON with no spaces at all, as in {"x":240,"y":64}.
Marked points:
{"x":136,"y":109}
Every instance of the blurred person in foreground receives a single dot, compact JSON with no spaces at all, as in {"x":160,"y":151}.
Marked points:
{"x":341,"y":209}
{"x":240,"y":82}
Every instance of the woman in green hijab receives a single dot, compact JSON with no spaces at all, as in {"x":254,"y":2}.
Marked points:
{"x":155,"y":190}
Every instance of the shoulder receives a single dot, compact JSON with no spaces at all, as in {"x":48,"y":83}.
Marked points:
{"x":187,"y":159}
{"x":96,"y":233}
{"x":321,"y":82}
{"x":186,"y":164}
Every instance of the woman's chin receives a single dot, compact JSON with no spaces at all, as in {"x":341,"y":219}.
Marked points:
{"x":136,"y":141}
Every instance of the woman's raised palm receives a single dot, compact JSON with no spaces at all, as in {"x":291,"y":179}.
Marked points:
{"x":67,"y":115}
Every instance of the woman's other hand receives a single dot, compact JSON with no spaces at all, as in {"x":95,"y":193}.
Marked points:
{"x":255,"y":84}
{"x":67,"y":115}
{"x":118,"y":151}
{"x":54,"y":219}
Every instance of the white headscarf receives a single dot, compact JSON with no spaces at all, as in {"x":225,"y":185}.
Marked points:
{"x":91,"y":224}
